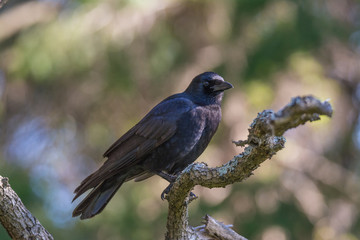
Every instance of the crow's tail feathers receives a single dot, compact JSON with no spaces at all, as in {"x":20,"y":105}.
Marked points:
{"x":98,"y":198}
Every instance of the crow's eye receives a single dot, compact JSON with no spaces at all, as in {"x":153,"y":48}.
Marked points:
{"x":217,"y":82}
{"x":206,"y":84}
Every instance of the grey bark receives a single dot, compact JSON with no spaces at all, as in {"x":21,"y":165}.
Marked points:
{"x":16,"y":219}
{"x":264,"y":140}
{"x":216,"y":230}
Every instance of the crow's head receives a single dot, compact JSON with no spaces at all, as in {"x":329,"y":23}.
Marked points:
{"x":208,"y":84}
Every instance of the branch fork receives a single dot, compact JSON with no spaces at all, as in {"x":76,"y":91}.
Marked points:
{"x":264,"y":141}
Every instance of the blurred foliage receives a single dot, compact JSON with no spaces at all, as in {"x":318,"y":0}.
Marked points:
{"x":76,"y":75}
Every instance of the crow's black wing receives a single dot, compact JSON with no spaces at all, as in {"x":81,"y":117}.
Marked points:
{"x":158,"y":126}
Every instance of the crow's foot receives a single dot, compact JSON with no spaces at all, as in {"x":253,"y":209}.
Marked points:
{"x":166,"y":191}
{"x":192,"y":195}
{"x":168,"y":177}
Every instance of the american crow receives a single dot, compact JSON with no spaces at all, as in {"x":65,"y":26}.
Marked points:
{"x":170,"y":137}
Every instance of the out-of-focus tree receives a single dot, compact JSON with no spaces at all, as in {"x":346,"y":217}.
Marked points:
{"x":76,"y":75}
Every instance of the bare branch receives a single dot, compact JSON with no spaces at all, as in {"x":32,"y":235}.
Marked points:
{"x":16,"y":219}
{"x":217,"y":230}
{"x":264,"y":140}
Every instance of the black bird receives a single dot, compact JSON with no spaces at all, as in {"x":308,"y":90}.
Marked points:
{"x":170,"y":137}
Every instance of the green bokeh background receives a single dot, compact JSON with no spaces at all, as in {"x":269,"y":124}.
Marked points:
{"x":75,"y":75}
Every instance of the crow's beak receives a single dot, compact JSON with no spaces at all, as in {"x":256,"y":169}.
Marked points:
{"x":222,"y":86}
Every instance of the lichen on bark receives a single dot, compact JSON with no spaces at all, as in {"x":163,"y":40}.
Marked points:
{"x":264,"y":141}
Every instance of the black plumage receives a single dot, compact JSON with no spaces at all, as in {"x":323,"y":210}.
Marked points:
{"x":170,"y":137}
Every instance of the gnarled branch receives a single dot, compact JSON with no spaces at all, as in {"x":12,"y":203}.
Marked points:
{"x":264,"y":140}
{"x":16,"y":219}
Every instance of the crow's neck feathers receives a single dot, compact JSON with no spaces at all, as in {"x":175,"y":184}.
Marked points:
{"x":206,"y":99}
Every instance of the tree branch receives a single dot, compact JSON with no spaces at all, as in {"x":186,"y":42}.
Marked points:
{"x":264,"y":140}
{"x":16,"y":219}
{"x":217,"y":230}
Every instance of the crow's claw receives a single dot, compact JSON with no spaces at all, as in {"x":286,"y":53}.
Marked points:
{"x":166,"y":191}
{"x":192,"y":195}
